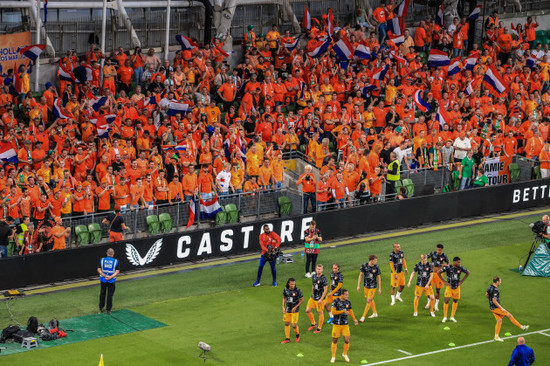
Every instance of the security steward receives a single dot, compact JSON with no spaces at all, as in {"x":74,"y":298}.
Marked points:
{"x":116,"y":225}
{"x":108,"y":270}
{"x":393,"y":175}
{"x":362,"y":192}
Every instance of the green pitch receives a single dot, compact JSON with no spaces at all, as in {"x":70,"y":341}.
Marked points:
{"x":244,"y":324}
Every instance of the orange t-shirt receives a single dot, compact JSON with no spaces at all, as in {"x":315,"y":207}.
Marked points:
{"x":58,"y":242}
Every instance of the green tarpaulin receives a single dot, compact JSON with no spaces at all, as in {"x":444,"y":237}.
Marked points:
{"x":539,"y":265}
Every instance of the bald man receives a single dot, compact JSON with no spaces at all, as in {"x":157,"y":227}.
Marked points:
{"x":522,"y":355}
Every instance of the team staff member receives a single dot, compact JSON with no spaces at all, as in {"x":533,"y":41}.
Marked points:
{"x":292,"y":299}
{"x":336,"y":283}
{"x":267,"y":238}
{"x":453,"y":286}
{"x":522,"y":355}
{"x":424,"y":277}
{"x":313,"y":239}
{"x":108,"y":270}
{"x":116,"y":225}
{"x":438,"y":260}
{"x":493,"y":294}
{"x":307,"y":180}
{"x":316,"y":301}
{"x":341,"y":308}
{"x":397,"y":264}
{"x":370,"y":272}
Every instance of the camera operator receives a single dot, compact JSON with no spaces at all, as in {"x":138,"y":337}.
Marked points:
{"x":270,"y":243}
{"x":546,"y":233}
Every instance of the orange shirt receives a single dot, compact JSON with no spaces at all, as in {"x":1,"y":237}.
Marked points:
{"x":205,"y":182}
{"x":103,"y":202}
{"x":308,"y":185}
{"x":58,"y":242}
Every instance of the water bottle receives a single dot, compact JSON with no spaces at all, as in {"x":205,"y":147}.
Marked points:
{"x":302,"y":255}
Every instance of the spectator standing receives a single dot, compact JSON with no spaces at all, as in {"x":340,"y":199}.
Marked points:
{"x":59,"y":234}
{"x":307,"y":180}
{"x":6,"y":232}
{"x":116,"y":225}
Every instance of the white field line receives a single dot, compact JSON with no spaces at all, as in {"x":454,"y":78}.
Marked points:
{"x":455,"y":348}
{"x":405,"y":352}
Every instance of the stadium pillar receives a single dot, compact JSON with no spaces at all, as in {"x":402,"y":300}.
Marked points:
{"x":103,"y":28}
{"x":208,"y":15}
{"x":167,"y":40}
{"x":38,"y":26}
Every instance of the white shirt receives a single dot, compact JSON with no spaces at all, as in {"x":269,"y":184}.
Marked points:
{"x":451,"y":30}
{"x":224,"y":178}
{"x":462,"y":144}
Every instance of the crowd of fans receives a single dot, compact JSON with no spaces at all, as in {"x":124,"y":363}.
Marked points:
{"x":239,"y":122}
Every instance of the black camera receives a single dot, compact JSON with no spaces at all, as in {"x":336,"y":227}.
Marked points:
{"x":538,"y":228}
{"x":272,"y":253}
{"x":307,"y":178}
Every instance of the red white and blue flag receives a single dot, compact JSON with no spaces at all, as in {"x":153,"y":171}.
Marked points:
{"x":306,"y":23}
{"x":475,"y":13}
{"x":319,"y":48}
{"x":443,"y":117}
{"x":454,"y":66}
{"x":330,"y":22}
{"x":343,"y":48}
{"x":397,"y":24}
{"x":186,"y":43}
{"x":16,"y":79}
{"x":380,"y":74}
{"x":363,"y":51}
{"x":469,"y":88}
{"x":494,"y":80}
{"x":152,"y":100}
{"x":401,"y":61}
{"x":98,"y":102}
{"x":65,"y":74}
{"x":220,"y":50}
{"x":175,"y":108}
{"x":421,"y":103}
{"x":531,"y":61}
{"x":33,"y":51}
{"x":291,"y":45}
{"x":209,"y":209}
{"x":396,"y":39}
{"x":439,"y":16}
{"x":365,"y":91}
{"x":8,"y":154}
{"x":438,"y":58}
{"x":192,"y":210}
{"x":471,"y":61}
{"x":103,"y":124}
{"x":59,"y":111}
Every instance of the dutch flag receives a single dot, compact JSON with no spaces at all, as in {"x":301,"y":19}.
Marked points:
{"x":402,"y":8}
{"x":209,"y":209}
{"x":365,"y":91}
{"x":8,"y":154}
{"x":421,"y":103}
{"x":443,"y":117}
{"x":150,"y":100}
{"x":103,"y":124}
{"x":400,"y":60}
{"x":397,"y":24}
{"x":396,"y":39}
{"x":363,"y":51}
{"x":475,"y":13}
{"x":469,"y":88}
{"x":181,"y":148}
{"x":319,"y":48}
{"x":174,"y":108}
{"x":192,"y":210}
{"x":471,"y":61}
{"x":83,"y":73}
{"x":98,"y":102}
{"x":438,"y":58}
{"x":59,"y":111}
{"x":439,"y":16}
{"x":302,"y":89}
{"x":66,"y":75}
{"x":306,"y":23}
{"x":32,"y":52}
{"x":220,"y":50}
{"x":343,"y":49}
{"x":494,"y":81}
{"x":186,"y":43}
{"x":380,"y":74}
{"x":330,"y":22}
{"x":531,"y":61}
{"x":291,"y":45}
{"x":454,"y":66}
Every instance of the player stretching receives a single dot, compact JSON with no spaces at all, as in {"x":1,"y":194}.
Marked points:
{"x":341,"y":308}
{"x":292,"y":299}
{"x":316,"y":301}
{"x":424,"y":277}
{"x":493,"y":294}
{"x":370,"y":272}
{"x":439,"y":260}
{"x":336,"y":282}
{"x":397,"y":264}
{"x":453,"y":286}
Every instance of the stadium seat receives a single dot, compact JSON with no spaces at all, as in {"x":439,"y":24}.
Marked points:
{"x":285,"y":206}
{"x":303,"y":148}
{"x":165,"y":222}
{"x":221,"y":218}
{"x":514,"y":172}
{"x":153,"y":224}
{"x":398,"y":185}
{"x":82,"y":234}
{"x":408,"y":183}
{"x":232,"y":214}
{"x":456,"y":181}
{"x":95,"y":233}
{"x":537,"y":172}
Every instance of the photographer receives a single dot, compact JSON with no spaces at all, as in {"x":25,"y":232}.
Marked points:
{"x":307,"y":180}
{"x":270,"y":243}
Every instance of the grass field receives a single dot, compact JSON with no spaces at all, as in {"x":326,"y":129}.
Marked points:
{"x":244,"y":324}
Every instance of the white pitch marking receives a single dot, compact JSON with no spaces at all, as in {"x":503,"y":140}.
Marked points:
{"x":544,"y":334}
{"x":405,"y":352}
{"x":458,"y":347}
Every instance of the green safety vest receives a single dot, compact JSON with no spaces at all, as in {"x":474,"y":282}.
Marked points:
{"x":394,"y":177}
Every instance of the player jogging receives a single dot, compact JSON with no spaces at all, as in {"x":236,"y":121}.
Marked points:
{"x":292,"y":299}
{"x":397,"y":264}
{"x":370,"y":273}
{"x":493,"y":294}
{"x":453,"y":283}
{"x":336,"y":283}
{"x":438,"y":260}
{"x":424,"y":277}
{"x":341,"y":308}
{"x":316,"y":301}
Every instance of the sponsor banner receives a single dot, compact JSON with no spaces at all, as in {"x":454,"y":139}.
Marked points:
{"x":9,"y":49}
{"x":496,"y":170}
{"x":222,"y":241}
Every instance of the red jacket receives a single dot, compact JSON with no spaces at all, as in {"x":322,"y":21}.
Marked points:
{"x":269,"y":239}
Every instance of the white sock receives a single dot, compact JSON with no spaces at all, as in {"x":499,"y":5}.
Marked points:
{"x":436,"y":302}
{"x":428,"y":303}
{"x":393,"y":298}
{"x":330,"y":314}
{"x":398,"y":293}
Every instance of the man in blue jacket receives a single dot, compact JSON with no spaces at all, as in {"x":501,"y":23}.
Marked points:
{"x":522,"y":355}
{"x":108,"y":270}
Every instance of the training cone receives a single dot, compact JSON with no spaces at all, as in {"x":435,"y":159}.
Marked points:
{"x":101,"y":360}
{"x":452,"y":344}
{"x":364,"y":361}
{"x":299,"y":355}
{"x":446,"y":328}
{"x":507,"y":334}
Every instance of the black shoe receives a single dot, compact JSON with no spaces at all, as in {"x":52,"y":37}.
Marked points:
{"x":109,"y":312}
{"x":101,"y":310}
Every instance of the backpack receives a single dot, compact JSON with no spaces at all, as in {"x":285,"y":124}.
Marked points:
{"x":22,"y":334}
{"x":32,"y":324}
{"x":7,"y":333}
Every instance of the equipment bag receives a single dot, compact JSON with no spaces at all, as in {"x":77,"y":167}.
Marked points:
{"x":7,"y":333}
{"x":22,"y":334}
{"x":32,"y":324}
